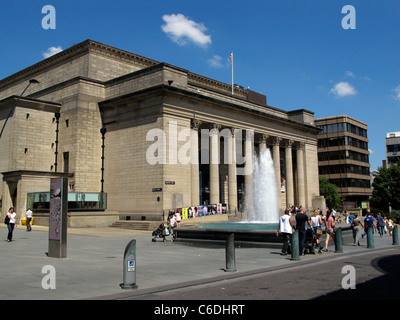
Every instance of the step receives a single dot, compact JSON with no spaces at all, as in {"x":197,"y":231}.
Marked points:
{"x":136,"y":225}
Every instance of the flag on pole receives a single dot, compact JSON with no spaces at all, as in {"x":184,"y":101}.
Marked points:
{"x":231,"y":57}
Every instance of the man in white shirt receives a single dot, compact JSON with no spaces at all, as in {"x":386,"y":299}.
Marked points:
{"x":285,"y":227}
{"x":28,"y":214}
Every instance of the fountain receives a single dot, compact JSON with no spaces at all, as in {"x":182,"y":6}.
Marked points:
{"x":262,"y":205}
{"x":261,"y":215}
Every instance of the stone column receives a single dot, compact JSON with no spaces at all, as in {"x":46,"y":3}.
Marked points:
{"x":289,"y":173}
{"x":277,"y":164}
{"x":263,"y":143}
{"x":232,"y":172}
{"x":300,"y":175}
{"x":214,"y":165}
{"x":248,"y":166}
{"x":194,"y":163}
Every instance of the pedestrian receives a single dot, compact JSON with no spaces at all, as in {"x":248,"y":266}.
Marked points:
{"x":333,"y":214}
{"x":329,"y":228}
{"x":28,"y":214}
{"x":301,"y":220}
{"x":316,"y":224}
{"x":380,"y":224}
{"x":351,"y":217}
{"x":357,"y":227}
{"x":385,"y":221}
{"x":368,"y":223}
{"x":285,"y":227}
{"x":390,"y":226}
{"x":12,"y":223}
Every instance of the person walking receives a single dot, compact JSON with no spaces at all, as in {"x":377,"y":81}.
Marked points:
{"x":368,"y":223}
{"x":380,"y":224}
{"x":28,"y":214}
{"x":285,"y":227}
{"x":301,"y":220}
{"x":12,"y":223}
{"x":316,"y":224}
{"x":329,"y":228}
{"x":357,"y":229}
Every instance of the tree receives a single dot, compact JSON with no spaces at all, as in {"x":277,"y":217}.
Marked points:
{"x":330,"y":192}
{"x":386,"y":189}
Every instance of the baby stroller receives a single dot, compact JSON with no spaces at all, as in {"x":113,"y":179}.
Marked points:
{"x":163,"y":231}
{"x":311,"y":242}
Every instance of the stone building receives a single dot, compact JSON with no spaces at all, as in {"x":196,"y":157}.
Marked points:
{"x":137,"y":137}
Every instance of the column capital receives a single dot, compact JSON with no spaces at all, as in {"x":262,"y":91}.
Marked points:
{"x":195,"y":124}
{"x":274,"y":141}
{"x":215,"y":126}
{"x":288,"y":143}
{"x":263,"y":138}
{"x":298,"y":145}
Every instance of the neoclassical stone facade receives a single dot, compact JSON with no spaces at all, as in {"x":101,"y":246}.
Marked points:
{"x":149,"y":135}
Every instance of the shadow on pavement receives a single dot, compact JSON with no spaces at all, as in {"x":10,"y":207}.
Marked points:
{"x":385,"y":287}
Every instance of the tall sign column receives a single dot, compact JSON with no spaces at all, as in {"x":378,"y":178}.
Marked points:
{"x":58,"y":218}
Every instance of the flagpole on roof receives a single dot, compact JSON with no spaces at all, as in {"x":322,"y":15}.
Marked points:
{"x":231,"y":60}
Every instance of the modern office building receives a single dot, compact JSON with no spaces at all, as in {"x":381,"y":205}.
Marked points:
{"x":392,"y":143}
{"x":136,"y":137}
{"x":343,"y":158}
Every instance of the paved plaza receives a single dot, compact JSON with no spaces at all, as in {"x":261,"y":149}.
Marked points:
{"x":93,"y":268}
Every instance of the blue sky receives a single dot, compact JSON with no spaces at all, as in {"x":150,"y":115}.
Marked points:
{"x":294,"y":51}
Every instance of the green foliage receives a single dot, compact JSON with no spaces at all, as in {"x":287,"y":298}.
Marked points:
{"x":386,"y":190}
{"x":330,"y":192}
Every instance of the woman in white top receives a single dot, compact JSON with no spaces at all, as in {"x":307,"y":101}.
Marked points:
{"x":316,"y":221}
{"x":12,"y":215}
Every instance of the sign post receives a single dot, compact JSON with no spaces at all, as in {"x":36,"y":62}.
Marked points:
{"x":129,"y":268}
{"x":58,"y":218}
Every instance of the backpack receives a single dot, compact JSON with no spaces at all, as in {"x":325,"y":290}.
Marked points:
{"x":368,"y":222}
{"x":6,"y":220}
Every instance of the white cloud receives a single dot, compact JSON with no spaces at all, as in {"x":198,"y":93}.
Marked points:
{"x":180,"y":29}
{"x":51,"y":52}
{"x":343,"y":89}
{"x":215,"y":62}
{"x":349,"y":74}
{"x":397,"y":93}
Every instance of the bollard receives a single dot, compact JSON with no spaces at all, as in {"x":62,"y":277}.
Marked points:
{"x":129,"y":275}
{"x":370,"y":238}
{"x":230,"y":253}
{"x":338,"y":241}
{"x":295,"y":246}
{"x":395,"y":235}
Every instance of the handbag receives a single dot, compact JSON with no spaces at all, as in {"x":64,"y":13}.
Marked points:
{"x":319,"y":231}
{"x":7,"y":219}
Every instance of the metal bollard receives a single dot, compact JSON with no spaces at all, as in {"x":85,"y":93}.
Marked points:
{"x":395,"y":235}
{"x":338,"y":241}
{"x":230,"y":253}
{"x":129,"y":275}
{"x":370,"y":238}
{"x":295,"y":246}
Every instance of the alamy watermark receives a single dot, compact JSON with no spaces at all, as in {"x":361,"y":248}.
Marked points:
{"x":349,"y":20}
{"x":49,"y":280}
{"x":49,"y":20}
{"x":349,"y":280}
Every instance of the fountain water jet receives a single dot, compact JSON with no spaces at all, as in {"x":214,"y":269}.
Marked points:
{"x":261,"y":206}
